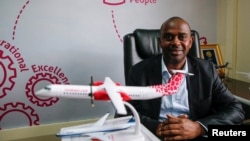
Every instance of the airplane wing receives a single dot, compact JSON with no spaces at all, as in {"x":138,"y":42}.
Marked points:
{"x":114,"y":96}
{"x":94,"y":132}
{"x":98,"y":123}
{"x":182,"y":71}
{"x":88,"y":137}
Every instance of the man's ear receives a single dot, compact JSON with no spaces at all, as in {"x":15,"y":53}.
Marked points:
{"x":159,"y":41}
{"x":191,"y":41}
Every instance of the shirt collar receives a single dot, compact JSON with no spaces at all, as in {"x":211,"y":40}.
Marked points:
{"x":165,"y":70}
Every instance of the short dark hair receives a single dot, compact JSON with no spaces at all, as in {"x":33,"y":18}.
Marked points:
{"x":174,"y":19}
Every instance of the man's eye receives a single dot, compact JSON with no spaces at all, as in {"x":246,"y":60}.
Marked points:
{"x":169,"y":37}
{"x":182,"y":37}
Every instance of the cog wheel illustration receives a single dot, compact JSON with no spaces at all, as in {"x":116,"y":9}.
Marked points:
{"x":30,"y":92}
{"x":9,"y":74}
{"x":7,"y":108}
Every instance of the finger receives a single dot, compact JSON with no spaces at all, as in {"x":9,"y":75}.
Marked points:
{"x":183,"y":116}
{"x":170,"y":116}
{"x":170,"y":132}
{"x":159,"y":129}
{"x":173,"y":138}
{"x":172,"y":119}
{"x":171,"y":126}
{"x":159,"y":133}
{"x":160,"y":125}
{"x":164,"y":123}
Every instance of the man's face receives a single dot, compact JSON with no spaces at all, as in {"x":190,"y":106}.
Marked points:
{"x":175,"y":41}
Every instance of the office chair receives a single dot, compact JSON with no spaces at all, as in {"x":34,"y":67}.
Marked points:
{"x":143,"y":43}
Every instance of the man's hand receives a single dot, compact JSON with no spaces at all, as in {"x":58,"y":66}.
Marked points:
{"x":179,"y":128}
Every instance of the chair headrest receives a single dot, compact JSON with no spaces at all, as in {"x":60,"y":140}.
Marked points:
{"x":147,"y":42}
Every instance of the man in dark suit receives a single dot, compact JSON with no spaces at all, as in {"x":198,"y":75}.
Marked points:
{"x":202,"y":99}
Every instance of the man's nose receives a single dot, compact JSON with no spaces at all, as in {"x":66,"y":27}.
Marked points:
{"x":176,"y":41}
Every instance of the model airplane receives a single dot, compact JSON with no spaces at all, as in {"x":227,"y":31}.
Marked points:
{"x":121,"y":129}
{"x":101,"y":126}
{"x":109,"y":90}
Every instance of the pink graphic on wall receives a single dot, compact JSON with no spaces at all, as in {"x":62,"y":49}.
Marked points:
{"x":30,"y":89}
{"x":115,"y":26}
{"x":17,"y":19}
{"x":9,"y":64}
{"x":20,"y":107}
{"x":11,"y":60}
{"x":203,"y":40}
{"x":114,"y":2}
{"x":9,"y":74}
{"x":120,"y":2}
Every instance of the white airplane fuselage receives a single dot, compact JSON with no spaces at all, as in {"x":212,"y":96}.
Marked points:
{"x":99,"y":93}
{"x":98,"y":129}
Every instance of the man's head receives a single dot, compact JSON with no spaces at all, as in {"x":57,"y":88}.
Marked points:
{"x":175,"y":41}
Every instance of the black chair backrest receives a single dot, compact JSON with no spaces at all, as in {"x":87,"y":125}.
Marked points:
{"x":143,"y":43}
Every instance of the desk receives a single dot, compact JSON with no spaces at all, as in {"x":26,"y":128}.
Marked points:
{"x":241,"y":90}
{"x":238,"y":88}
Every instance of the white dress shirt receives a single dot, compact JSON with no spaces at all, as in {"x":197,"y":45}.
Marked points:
{"x":175,"y":104}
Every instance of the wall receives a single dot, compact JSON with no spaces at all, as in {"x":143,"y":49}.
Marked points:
{"x":76,"y":39}
{"x":233,"y":26}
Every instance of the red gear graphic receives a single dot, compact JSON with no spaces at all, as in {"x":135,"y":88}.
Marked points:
{"x":9,"y":74}
{"x":30,"y":93}
{"x":20,"y":107}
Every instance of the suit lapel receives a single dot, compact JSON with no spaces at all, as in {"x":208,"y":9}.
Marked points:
{"x":155,"y":76}
{"x":193,"y":87}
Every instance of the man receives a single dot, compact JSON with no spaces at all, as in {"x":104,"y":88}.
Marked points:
{"x":202,"y":99}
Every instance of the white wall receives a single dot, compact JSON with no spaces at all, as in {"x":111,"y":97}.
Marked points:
{"x":79,"y":39}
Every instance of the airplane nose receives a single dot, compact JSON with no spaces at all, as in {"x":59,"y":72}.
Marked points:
{"x":41,"y":92}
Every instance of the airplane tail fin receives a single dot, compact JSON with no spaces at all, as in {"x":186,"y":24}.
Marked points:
{"x":101,"y":121}
{"x":173,"y":84}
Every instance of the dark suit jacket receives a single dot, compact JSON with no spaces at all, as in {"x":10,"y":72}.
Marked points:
{"x":210,"y":102}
